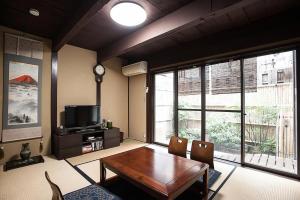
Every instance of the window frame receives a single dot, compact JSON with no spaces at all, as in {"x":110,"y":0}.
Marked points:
{"x":240,"y":57}
{"x":281,"y":73}
{"x":263,"y":81}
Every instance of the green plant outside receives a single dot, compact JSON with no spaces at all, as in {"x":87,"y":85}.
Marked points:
{"x":225,"y":132}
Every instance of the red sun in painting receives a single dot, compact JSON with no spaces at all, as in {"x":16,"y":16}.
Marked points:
{"x":24,"y":79}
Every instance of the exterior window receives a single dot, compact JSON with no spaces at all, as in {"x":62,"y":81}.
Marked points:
{"x":280,"y":76}
{"x":248,"y":116}
{"x":270,"y":137}
{"x":264,"y":79}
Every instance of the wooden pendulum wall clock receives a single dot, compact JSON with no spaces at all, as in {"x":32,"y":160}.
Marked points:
{"x":99,"y":72}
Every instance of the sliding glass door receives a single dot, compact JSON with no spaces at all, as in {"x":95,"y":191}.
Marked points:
{"x":223,"y":109}
{"x":189,"y":104}
{"x":164,"y":107}
{"x":270,"y":137}
{"x":246,"y":107}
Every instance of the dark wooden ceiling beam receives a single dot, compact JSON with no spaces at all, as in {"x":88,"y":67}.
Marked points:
{"x":270,"y":33}
{"x":190,"y":15}
{"x":85,"y":12}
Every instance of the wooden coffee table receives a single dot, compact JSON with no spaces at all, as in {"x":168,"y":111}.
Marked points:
{"x":162,"y":175}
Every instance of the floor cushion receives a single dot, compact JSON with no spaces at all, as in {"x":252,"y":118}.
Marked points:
{"x":92,"y":192}
{"x":213,"y":176}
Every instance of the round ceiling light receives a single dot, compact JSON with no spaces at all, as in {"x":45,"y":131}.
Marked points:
{"x":34,"y":12}
{"x":128,"y":14}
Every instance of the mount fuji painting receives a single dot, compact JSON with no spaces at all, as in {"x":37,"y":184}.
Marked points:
{"x":22,"y":93}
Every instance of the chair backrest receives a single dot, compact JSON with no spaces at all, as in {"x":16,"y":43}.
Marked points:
{"x":56,"y":193}
{"x":203,"y":152}
{"x":178,"y":146}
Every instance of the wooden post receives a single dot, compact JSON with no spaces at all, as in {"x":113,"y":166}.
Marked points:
{"x":102,"y":173}
{"x":205,"y":181}
{"x":53,"y":97}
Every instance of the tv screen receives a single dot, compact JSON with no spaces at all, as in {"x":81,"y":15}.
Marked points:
{"x":81,"y":116}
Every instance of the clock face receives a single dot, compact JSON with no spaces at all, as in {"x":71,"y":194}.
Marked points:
{"x":99,"y":70}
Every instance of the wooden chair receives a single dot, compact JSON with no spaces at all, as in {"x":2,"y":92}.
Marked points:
{"x":178,"y":146}
{"x":56,"y":193}
{"x":203,"y":152}
{"x":94,"y":192}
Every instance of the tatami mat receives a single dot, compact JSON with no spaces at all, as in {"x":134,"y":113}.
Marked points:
{"x":29,"y":183}
{"x":92,"y":170}
{"x":249,"y":184}
{"x":225,"y":169}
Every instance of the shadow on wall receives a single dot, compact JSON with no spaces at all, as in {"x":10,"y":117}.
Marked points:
{"x":62,"y":118}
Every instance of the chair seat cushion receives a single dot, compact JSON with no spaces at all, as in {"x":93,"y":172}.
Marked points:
{"x":92,"y":192}
{"x":213,"y":175}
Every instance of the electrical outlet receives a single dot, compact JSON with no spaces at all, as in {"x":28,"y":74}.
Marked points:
{"x":144,"y":135}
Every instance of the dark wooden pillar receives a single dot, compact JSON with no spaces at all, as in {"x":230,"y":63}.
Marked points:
{"x":53,"y":96}
{"x":98,"y":93}
{"x":98,"y":83}
{"x":150,"y":108}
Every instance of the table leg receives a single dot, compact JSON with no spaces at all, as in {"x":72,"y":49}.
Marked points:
{"x":102,"y":173}
{"x":205,"y":182}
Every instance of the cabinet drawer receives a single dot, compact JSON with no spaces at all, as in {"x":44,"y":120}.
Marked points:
{"x":67,"y":141}
{"x":69,"y":152}
{"x":112,"y":133}
{"x":113,"y":142}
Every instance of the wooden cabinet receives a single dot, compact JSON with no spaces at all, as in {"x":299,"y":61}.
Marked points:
{"x":111,"y":138}
{"x":70,"y":144}
{"x":66,"y":146}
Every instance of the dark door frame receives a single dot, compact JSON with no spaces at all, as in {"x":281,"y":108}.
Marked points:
{"x":54,"y":60}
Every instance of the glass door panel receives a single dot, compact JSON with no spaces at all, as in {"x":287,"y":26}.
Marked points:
{"x":189,"y":104}
{"x":270,"y":137}
{"x":223,"y":83}
{"x":189,"y":88}
{"x":189,"y":125}
{"x":164,"y":107}
{"x":224,"y":130}
{"x":223,"y":109}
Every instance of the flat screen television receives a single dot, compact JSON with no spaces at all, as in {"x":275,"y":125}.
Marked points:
{"x":82,"y":116}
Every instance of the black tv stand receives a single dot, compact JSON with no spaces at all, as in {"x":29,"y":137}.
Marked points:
{"x":71,"y":142}
{"x":85,"y":130}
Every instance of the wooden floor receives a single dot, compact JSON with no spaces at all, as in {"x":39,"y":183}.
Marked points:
{"x":264,"y":160}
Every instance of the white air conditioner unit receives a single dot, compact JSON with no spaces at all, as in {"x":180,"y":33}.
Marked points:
{"x":135,"y":69}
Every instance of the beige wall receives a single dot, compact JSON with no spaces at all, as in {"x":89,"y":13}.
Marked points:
{"x":76,"y":85}
{"x":12,"y":149}
{"x":114,"y":96}
{"x":75,"y":78}
{"x":137,"y":107}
